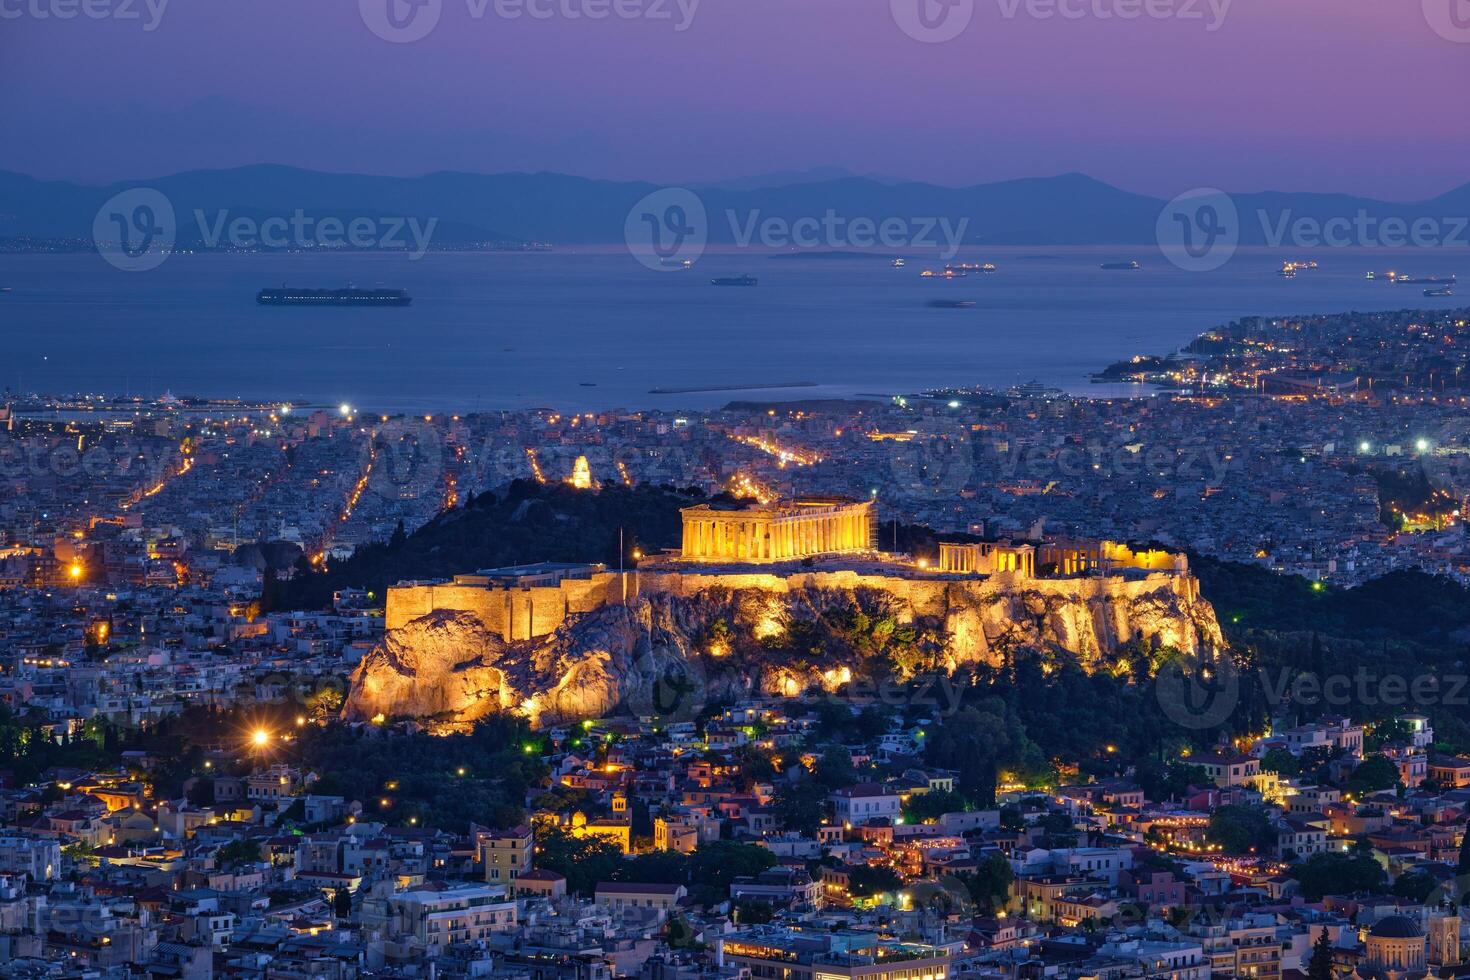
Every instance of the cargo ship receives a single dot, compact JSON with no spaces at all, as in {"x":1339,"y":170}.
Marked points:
{"x":1439,"y":291}
{"x":735,"y":281}
{"x":952,"y":304}
{"x":286,"y":296}
{"x":1120,"y":266}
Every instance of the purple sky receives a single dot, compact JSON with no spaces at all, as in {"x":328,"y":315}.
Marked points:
{"x":1358,"y":96}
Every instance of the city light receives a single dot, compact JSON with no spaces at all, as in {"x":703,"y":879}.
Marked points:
{"x":260,"y":738}
{"x":345,"y":409}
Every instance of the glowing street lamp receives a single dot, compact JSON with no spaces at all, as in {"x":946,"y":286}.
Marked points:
{"x":260,"y":738}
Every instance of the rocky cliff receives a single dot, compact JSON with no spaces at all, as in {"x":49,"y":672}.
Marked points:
{"x":699,"y":639}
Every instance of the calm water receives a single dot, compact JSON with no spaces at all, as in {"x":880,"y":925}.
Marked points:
{"x":523,"y":330}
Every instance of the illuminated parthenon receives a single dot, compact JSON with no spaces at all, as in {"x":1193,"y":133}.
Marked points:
{"x":778,"y":532}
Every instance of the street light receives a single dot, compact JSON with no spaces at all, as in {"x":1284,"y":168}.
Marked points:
{"x":260,"y":738}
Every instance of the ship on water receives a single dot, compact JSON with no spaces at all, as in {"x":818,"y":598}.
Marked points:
{"x":1120,"y":266}
{"x":735,"y":281}
{"x":288,"y":296}
{"x":1439,"y":291}
{"x":952,"y":304}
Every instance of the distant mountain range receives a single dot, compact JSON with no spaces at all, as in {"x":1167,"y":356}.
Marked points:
{"x":1071,"y":209}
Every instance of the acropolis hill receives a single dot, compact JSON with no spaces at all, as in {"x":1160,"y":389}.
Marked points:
{"x":559,"y":642}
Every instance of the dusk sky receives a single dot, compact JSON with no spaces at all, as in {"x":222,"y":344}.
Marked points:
{"x":1359,"y":96}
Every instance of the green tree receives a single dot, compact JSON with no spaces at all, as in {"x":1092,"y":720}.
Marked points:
{"x":801,"y":806}
{"x":926,"y":807}
{"x":990,"y":885}
{"x":1319,"y":967}
{"x":239,"y":852}
{"x":342,"y":903}
{"x":834,"y":768}
{"x":1281,"y":761}
{"x":1415,"y":885}
{"x":583,"y":861}
{"x":865,"y":881}
{"x":1238,"y":829}
{"x":718,"y":863}
{"x":1374,"y":774}
{"x":1336,"y":873}
{"x":1464,"y":866}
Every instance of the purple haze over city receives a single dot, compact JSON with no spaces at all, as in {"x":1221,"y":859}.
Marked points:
{"x":1358,"y":97}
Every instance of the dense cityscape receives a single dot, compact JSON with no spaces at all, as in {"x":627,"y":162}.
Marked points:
{"x":748,"y":490}
{"x":206,"y":607}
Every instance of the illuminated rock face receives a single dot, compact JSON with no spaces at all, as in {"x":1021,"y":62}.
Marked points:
{"x":689,"y":639}
{"x":445,"y":663}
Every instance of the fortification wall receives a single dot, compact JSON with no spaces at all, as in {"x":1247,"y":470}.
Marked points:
{"x":509,"y":613}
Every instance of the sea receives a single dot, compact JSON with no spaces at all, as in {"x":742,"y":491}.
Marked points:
{"x":593,"y":329}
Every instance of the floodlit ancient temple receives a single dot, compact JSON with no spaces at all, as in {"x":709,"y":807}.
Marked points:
{"x":778,"y":532}
{"x":987,"y":558}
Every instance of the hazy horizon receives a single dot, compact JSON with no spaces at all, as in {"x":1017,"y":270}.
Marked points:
{"x":799,"y":177}
{"x":1248,"y":95}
